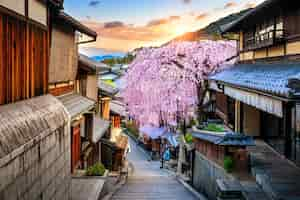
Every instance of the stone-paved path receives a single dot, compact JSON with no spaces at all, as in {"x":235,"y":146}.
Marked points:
{"x":148,"y":182}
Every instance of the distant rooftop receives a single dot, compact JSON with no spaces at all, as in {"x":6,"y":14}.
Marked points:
{"x":224,"y":139}
{"x":109,"y":76}
{"x":107,"y":89}
{"x":91,"y":64}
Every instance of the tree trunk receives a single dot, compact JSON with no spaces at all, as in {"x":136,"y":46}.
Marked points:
{"x":180,"y":156}
{"x":202,"y":88}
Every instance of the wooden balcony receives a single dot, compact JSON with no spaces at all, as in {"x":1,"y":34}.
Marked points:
{"x":265,"y":40}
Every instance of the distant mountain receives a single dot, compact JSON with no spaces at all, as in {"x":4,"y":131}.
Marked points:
{"x":105,"y":57}
{"x":212,"y":31}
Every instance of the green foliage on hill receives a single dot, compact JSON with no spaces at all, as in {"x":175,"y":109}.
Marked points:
{"x":213,"y":30}
{"x":132,"y":128}
{"x":123,"y":60}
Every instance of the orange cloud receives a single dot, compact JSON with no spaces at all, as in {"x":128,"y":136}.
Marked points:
{"x":230,"y":5}
{"x":250,"y":5}
{"x":157,"y":22}
{"x":202,"y":16}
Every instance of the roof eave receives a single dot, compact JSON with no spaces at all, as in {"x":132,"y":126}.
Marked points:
{"x":56,"y":3}
{"x":284,"y":98}
{"x":235,"y":26}
{"x":78,"y":26}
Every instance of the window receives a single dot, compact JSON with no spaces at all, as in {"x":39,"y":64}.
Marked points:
{"x":264,"y":34}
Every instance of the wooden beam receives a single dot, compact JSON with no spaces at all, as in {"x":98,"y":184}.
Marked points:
{"x":26,"y":8}
{"x":2,"y":73}
{"x":287,"y":129}
{"x":237,"y":116}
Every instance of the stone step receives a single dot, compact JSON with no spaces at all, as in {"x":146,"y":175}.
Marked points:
{"x":151,"y":188}
{"x":252,"y":191}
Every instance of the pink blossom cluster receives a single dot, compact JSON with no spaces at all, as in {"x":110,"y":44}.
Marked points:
{"x":161,"y":83}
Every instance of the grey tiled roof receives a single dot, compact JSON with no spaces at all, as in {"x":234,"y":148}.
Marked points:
{"x":118,"y":108}
{"x":226,"y":139}
{"x":100,"y":127}
{"x":94,"y":65}
{"x":262,"y":77}
{"x":76,"y":104}
{"x":24,"y":123}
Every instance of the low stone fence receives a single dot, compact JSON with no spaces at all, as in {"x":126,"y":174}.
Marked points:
{"x":205,"y":174}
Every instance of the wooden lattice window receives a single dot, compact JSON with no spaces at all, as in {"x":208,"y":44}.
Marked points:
{"x":23,"y":60}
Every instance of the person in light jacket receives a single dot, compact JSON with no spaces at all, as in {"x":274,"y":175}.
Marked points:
{"x":165,"y":153}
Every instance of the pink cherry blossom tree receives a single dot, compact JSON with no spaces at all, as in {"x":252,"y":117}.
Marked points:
{"x":165,"y":83}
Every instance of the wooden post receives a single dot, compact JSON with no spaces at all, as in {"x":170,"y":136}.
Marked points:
{"x":287,"y":129}
{"x":180,"y":156}
{"x":237,"y":116}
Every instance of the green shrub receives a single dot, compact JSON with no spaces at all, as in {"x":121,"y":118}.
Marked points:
{"x":192,"y":123}
{"x":96,"y":170}
{"x":111,"y":83}
{"x":133,"y":129}
{"x":228,"y":164}
{"x":189,"y":138}
{"x":214,"y":128}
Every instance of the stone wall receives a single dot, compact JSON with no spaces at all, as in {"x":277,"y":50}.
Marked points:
{"x":205,"y":174}
{"x":41,"y":172}
{"x":35,"y":161}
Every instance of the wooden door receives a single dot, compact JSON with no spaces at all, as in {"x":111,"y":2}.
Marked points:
{"x":116,"y":121}
{"x":76,"y":144}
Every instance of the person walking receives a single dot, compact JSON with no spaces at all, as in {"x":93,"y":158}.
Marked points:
{"x":165,"y":153}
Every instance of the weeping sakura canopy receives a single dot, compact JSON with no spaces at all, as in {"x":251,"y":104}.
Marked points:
{"x":163,"y":83}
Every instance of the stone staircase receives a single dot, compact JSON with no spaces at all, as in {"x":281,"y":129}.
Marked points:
{"x":155,"y":187}
{"x":278,"y":177}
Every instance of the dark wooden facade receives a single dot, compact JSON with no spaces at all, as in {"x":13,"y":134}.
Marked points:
{"x":24,"y":59}
{"x":270,"y":34}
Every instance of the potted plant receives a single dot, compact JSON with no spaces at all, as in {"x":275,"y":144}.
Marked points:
{"x":97,"y":170}
{"x":228,"y":164}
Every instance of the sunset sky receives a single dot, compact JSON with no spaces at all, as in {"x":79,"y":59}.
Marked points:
{"x":123,"y":25}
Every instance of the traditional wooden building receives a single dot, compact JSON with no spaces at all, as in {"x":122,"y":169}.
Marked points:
{"x":95,"y":127}
{"x":259,"y":96}
{"x":73,"y":79}
{"x":87,"y":77}
{"x":34,"y":130}
{"x":67,"y":34}
{"x":111,"y":106}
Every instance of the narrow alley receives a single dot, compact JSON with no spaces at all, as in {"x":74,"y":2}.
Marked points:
{"x":147,"y":181}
